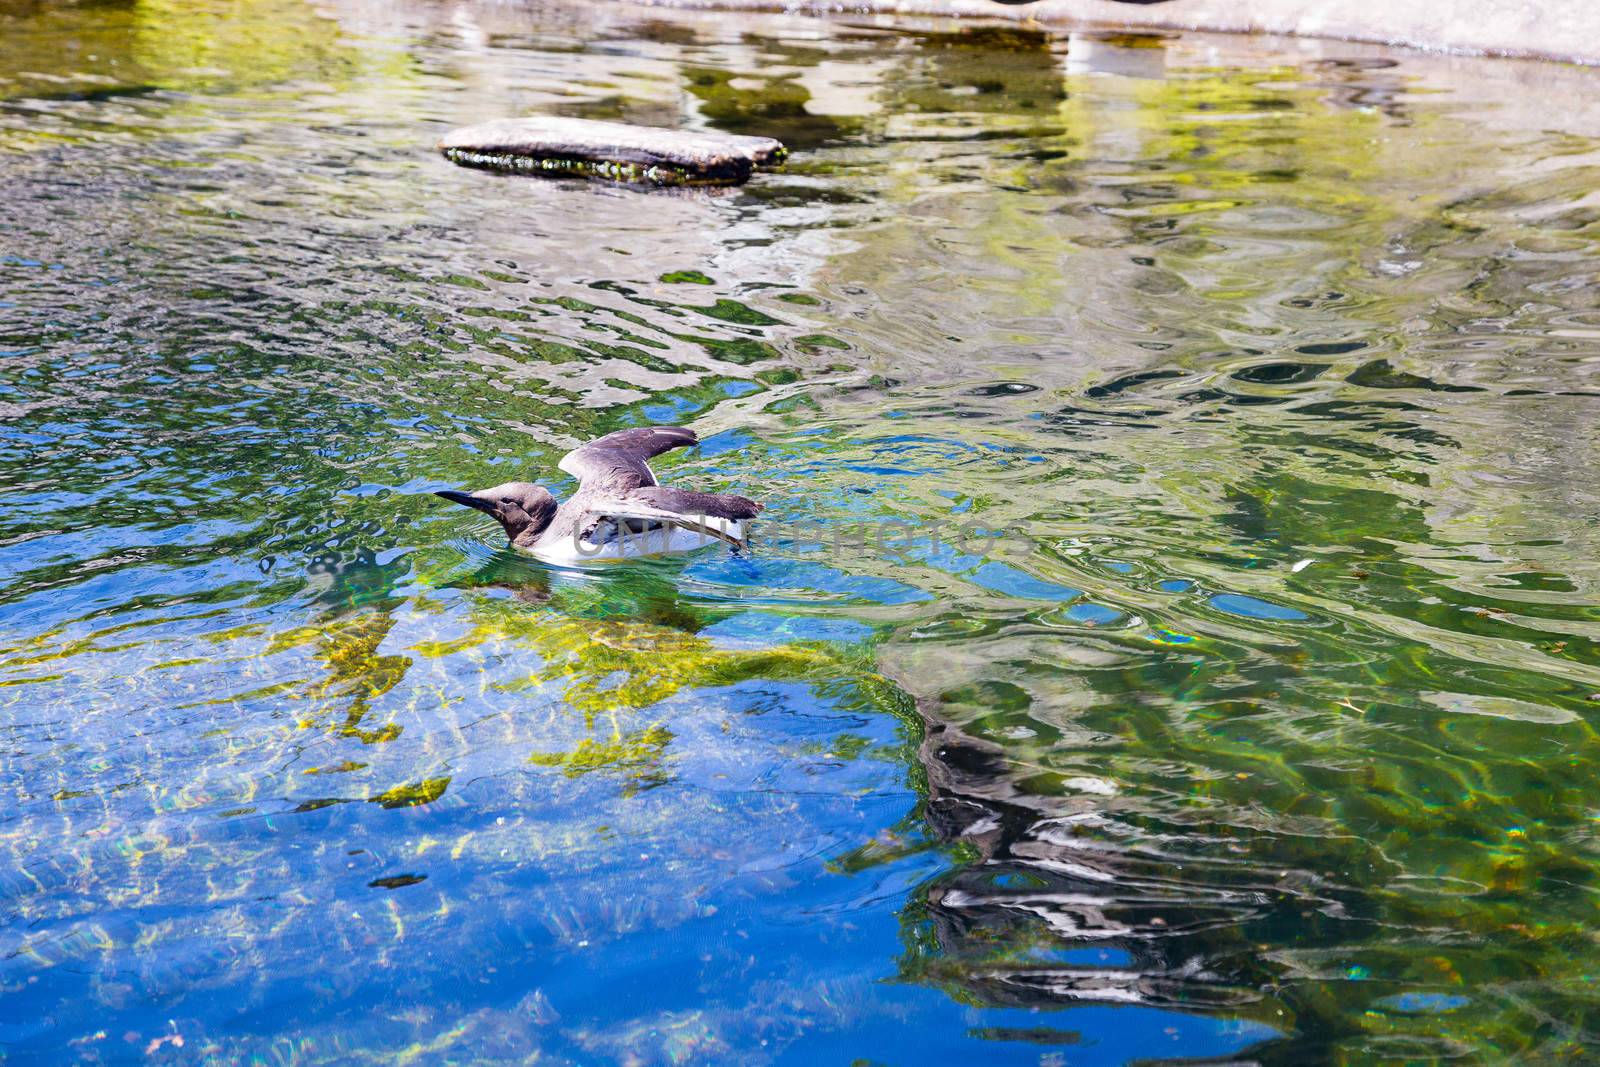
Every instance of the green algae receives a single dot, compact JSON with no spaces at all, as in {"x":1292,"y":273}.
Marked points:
{"x":611,"y":170}
{"x":657,"y":174}
{"x":413,"y":796}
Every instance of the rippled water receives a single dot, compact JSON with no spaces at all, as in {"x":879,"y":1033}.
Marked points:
{"x":1251,"y":720}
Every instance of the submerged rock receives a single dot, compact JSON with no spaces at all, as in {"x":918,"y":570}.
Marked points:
{"x":614,"y":150}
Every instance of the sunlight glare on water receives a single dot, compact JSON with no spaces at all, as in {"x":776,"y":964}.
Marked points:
{"x":1251,"y":719}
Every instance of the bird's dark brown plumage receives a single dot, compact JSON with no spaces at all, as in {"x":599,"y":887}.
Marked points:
{"x":617,"y":492}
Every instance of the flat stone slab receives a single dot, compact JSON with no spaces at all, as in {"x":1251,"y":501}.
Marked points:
{"x":560,"y":147}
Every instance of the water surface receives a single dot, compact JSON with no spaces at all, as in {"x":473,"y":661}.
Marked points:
{"x":1249,"y":719}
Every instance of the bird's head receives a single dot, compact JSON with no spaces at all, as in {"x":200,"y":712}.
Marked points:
{"x":524,"y":509}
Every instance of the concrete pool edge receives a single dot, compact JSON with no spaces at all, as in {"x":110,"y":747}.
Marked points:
{"x":1532,"y":30}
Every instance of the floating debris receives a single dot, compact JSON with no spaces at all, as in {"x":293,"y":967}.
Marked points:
{"x":613,"y":150}
{"x":396,"y":881}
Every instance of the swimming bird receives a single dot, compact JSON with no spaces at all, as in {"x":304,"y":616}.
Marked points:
{"x":619,"y":510}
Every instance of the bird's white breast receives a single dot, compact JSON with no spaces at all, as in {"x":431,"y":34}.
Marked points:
{"x":671,"y":539}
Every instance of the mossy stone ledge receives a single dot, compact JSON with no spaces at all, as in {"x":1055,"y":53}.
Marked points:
{"x":647,"y":155}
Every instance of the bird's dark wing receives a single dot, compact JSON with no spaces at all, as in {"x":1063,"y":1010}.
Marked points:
{"x":656,"y":506}
{"x":692,"y":504}
{"x":619,"y":461}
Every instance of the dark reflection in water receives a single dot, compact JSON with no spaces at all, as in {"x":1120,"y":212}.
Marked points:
{"x":1250,"y":723}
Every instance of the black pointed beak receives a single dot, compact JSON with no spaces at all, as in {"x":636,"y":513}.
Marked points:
{"x":466,"y":499}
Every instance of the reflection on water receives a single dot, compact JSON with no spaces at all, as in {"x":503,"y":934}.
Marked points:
{"x":1261,"y":729}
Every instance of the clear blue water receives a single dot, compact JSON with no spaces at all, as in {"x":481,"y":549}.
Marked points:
{"x":1215,"y":683}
